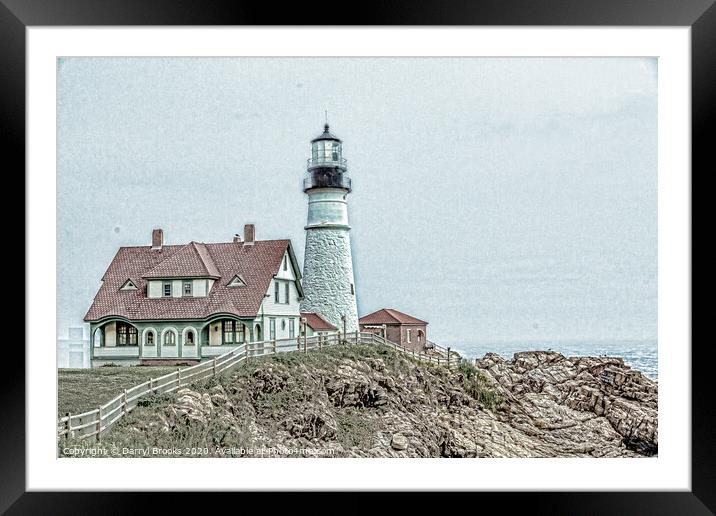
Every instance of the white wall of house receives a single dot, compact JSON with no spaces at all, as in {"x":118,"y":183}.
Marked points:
{"x":110,"y":334}
{"x":200,"y":287}
{"x":288,"y":273}
{"x":215,"y":334}
{"x":282,"y":325}
{"x":310,"y":332}
{"x":269,"y":305}
{"x":282,"y":312}
{"x":154,"y":289}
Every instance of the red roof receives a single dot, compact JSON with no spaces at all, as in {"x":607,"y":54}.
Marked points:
{"x":191,"y":261}
{"x":257,"y":264}
{"x":317,"y":322}
{"x":389,"y":316}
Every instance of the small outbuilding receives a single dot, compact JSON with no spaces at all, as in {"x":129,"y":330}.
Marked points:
{"x":398,"y":327}
{"x":316,"y":324}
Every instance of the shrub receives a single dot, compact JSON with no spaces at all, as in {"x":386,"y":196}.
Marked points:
{"x":477,"y":386}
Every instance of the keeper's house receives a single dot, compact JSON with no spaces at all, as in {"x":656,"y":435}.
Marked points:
{"x":166,"y":304}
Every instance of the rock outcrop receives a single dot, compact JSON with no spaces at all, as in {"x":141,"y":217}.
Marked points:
{"x":366,"y":401}
{"x":580,"y":402}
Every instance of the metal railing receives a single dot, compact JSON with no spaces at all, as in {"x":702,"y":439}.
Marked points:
{"x":326,"y":162}
{"x":327,"y":181}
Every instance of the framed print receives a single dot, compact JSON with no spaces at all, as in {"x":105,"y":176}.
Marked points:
{"x":391,"y":256}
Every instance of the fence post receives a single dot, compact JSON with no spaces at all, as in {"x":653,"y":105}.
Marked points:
{"x":356,"y":337}
{"x":343,"y":318}
{"x":178,"y":378}
{"x":320,"y":342}
{"x":246,"y":351}
{"x":98,"y":424}
{"x":151,"y":385}
{"x":124,"y":402}
{"x":448,"y":357}
{"x":273,"y":344}
{"x":213,"y":365}
{"x":68,"y":426}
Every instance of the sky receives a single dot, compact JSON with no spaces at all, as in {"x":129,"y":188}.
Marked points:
{"x":500,"y":199}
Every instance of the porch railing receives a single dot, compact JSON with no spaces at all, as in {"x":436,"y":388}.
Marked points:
{"x":95,"y":423}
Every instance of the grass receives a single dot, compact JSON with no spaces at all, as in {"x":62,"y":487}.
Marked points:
{"x":354,"y":429}
{"x":477,"y":386}
{"x":80,"y":390}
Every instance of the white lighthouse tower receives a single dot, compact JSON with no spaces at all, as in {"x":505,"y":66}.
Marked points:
{"x":328,"y":282}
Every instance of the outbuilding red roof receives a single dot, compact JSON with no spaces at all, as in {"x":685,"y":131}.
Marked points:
{"x":389,"y":316}
{"x":257,"y":264}
{"x":317,"y":322}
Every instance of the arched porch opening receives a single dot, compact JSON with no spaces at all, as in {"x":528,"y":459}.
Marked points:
{"x":115,"y":333}
{"x":225,"y":331}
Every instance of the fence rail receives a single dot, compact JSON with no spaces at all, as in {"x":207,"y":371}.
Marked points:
{"x":95,"y":423}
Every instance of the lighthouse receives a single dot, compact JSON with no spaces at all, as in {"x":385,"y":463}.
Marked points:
{"x":328,"y":282}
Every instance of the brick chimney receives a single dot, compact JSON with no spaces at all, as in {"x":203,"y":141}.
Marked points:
{"x":237,"y":238}
{"x":157,"y":239}
{"x":249,"y":234}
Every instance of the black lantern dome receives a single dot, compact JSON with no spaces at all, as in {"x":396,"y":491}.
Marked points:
{"x":327,"y":167}
{"x":326,"y":135}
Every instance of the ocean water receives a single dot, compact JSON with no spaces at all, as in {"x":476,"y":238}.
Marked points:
{"x":638,"y":354}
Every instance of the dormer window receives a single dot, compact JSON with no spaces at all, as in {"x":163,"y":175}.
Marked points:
{"x":236,"y":281}
{"x":167,"y":289}
{"x":187,"y":288}
{"x":128,"y":285}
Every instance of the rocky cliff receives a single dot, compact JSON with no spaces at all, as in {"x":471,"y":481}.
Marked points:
{"x":368,"y":401}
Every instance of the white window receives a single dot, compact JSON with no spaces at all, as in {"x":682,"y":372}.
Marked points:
{"x":188,"y":288}
{"x":228,"y":332}
{"x":286,"y":291}
{"x":272,"y":329}
{"x":167,"y":289}
{"x":291,"y":328}
{"x":407,"y":333}
{"x":170,"y":339}
{"x":285,"y":262}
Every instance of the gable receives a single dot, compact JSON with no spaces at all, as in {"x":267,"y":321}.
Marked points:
{"x":128,"y":285}
{"x":236,"y":281}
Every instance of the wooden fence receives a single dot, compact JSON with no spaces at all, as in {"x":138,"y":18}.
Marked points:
{"x":95,"y":423}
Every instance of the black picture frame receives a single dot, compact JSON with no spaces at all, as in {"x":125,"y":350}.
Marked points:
{"x":700,"y":15}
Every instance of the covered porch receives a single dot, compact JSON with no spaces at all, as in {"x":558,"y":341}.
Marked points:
{"x":114,"y":339}
{"x":226,"y":331}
